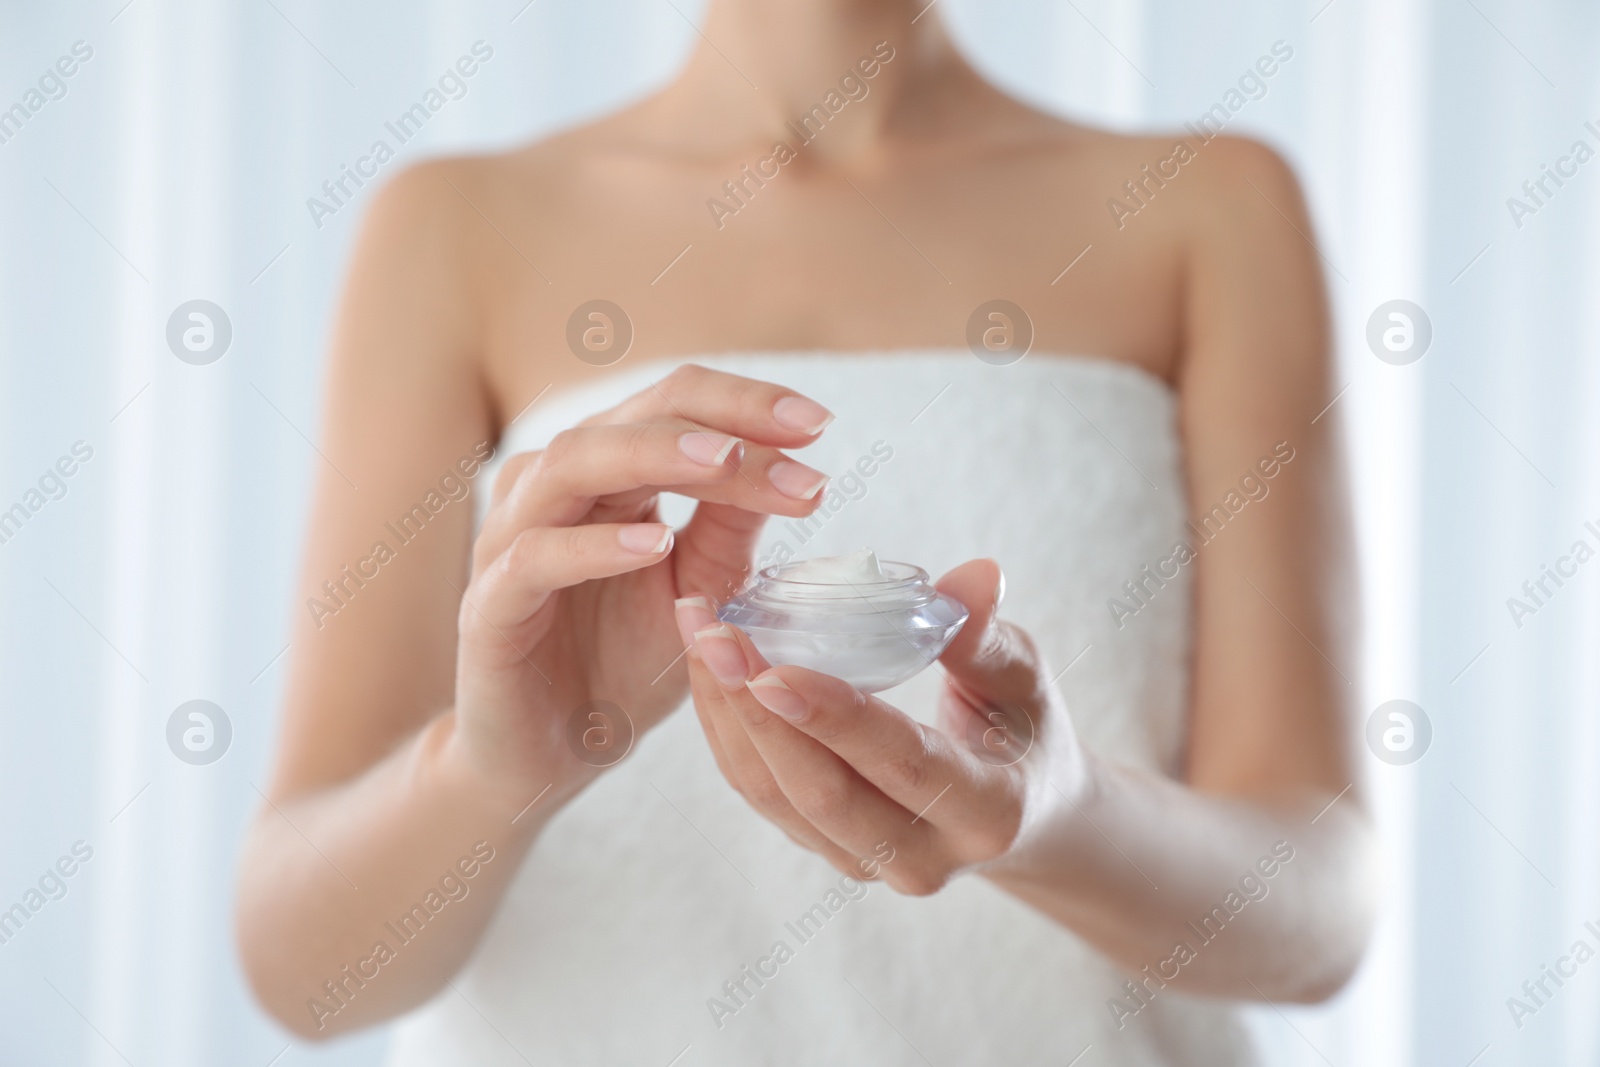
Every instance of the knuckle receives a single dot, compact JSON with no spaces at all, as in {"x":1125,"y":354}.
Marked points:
{"x":682,"y":379}
{"x":764,"y":795}
{"x":532,"y":472}
{"x":511,"y":474}
{"x":853,"y":708}
{"x":755,"y":394}
{"x":576,"y":543}
{"x":560,"y":450}
{"x":756,"y":719}
{"x":921,"y":881}
{"x":523,"y":551}
{"x":905,"y":773}
{"x":639,"y":442}
{"x":826,"y":802}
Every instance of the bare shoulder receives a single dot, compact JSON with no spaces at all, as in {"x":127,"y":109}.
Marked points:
{"x":540,"y":172}
{"x":413,"y":242}
{"x":485,"y":217}
{"x":1228,"y":202}
{"x":1258,"y":301}
{"x":428,"y":201}
{"x":1184,"y":185}
{"x":1200,"y":181}
{"x":1244,"y":213}
{"x":421,"y":203}
{"x":438,"y":228}
{"x":1243,"y":181}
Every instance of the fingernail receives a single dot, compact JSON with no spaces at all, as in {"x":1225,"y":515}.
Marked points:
{"x":802,"y":415}
{"x":722,"y":654}
{"x":796,"y":479}
{"x":645,"y":538}
{"x":707,"y":449}
{"x":777,"y":697}
{"x":693,"y":613}
{"x":1000,"y":589}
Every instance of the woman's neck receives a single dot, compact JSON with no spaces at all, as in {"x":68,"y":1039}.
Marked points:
{"x":761,"y":66}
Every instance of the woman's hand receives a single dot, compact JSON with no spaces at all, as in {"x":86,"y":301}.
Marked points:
{"x":842,"y":772}
{"x":574,"y":575}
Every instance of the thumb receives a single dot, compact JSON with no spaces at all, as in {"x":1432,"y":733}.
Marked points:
{"x":714,"y":552}
{"x":990,"y":661}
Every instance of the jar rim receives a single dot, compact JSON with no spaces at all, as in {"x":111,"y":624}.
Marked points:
{"x":902,"y":583}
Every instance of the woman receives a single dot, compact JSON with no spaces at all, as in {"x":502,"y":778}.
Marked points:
{"x":797,"y":239}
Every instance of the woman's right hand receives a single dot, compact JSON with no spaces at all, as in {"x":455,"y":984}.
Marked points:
{"x":574,"y":576}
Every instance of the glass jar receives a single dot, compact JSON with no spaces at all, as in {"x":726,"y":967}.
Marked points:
{"x":872,"y":632}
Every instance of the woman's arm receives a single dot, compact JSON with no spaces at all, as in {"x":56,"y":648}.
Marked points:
{"x":394,"y":826}
{"x":1142,"y":861}
{"x":1268,"y":824}
{"x":370,"y":805}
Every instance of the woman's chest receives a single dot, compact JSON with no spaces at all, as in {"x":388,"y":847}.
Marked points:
{"x":1000,"y":266}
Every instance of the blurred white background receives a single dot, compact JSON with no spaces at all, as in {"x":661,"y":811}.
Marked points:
{"x":177,"y":165}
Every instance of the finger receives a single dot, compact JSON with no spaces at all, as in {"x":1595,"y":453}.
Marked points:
{"x":922,"y":770}
{"x":768,"y":482}
{"x":736,"y":757}
{"x":828,"y":793}
{"x":691,"y":614}
{"x":582,"y":465}
{"x":757,"y":411}
{"x":510,"y":471}
{"x":556,"y":486}
{"x":719,"y":752}
{"x":991,"y":662}
{"x":748,"y":774}
{"x":544,"y":559}
{"x":714,"y":552}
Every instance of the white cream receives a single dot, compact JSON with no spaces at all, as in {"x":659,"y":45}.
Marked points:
{"x":854,"y":568}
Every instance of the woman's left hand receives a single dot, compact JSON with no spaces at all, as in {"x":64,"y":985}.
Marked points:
{"x":843,"y":773}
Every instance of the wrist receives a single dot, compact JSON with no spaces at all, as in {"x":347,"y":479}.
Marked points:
{"x":1060,"y":835}
{"x":474,"y":783}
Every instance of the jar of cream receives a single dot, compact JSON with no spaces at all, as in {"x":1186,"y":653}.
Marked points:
{"x":872,"y":624}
